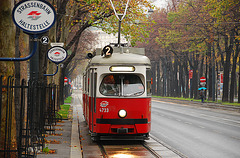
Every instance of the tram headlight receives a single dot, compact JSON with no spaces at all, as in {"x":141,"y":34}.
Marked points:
{"x":122,"y":113}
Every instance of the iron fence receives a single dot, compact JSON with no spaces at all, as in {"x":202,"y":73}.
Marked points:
{"x":37,"y":116}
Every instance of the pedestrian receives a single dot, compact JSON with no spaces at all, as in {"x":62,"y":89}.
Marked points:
{"x":202,"y":96}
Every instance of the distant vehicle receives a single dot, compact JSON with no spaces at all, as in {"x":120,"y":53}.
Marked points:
{"x":117,"y":94}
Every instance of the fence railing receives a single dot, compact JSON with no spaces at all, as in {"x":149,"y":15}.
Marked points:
{"x":37,"y":104}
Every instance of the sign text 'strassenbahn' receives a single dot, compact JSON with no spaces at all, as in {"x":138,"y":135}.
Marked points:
{"x":34,"y":16}
{"x":34,"y":5}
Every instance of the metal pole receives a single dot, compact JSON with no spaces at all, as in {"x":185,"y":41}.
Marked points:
{"x":52,"y":74}
{"x":119,"y":32}
{"x":34,"y":37}
{"x":119,"y":28}
{"x":213,"y":75}
{"x":34,"y":61}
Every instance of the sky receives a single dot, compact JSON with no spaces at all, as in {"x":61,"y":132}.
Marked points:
{"x":159,"y":3}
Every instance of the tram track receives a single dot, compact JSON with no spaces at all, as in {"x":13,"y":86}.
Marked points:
{"x":145,"y":148}
{"x":111,"y":149}
{"x":154,"y":153}
{"x":152,"y":148}
{"x":168,"y":147}
{"x":102,"y":149}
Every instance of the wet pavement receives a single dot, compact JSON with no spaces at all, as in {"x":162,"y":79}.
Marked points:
{"x":68,"y":143}
{"x":116,"y":149}
{"x":59,"y":143}
{"x":74,"y":141}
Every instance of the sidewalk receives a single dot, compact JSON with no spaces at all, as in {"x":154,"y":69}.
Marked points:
{"x":65,"y":142}
{"x":60,"y":142}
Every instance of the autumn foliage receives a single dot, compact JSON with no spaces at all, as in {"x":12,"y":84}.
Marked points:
{"x":202,"y":36}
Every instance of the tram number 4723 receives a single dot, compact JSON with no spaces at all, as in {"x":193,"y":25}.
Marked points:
{"x":104,"y":110}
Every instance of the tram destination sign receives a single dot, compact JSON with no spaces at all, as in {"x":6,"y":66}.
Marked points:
{"x":34,"y":16}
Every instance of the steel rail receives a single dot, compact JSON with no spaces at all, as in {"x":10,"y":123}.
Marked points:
{"x":169,"y":147}
{"x":103,"y":151}
{"x":154,"y":153}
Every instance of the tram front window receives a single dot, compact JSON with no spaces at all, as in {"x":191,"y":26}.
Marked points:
{"x":110,"y":85}
{"x":121,"y":85}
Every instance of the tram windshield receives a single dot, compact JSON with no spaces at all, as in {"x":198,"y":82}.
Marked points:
{"x":121,"y":85}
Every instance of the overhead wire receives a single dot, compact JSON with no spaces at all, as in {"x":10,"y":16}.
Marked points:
{"x":125,"y":11}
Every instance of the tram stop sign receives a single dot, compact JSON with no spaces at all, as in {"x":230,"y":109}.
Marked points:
{"x":34,"y":16}
{"x":57,"y":54}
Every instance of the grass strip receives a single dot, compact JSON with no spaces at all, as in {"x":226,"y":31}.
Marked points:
{"x":64,"y":111}
{"x":68,"y":100}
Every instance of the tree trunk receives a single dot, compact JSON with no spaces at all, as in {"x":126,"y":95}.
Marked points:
{"x":171,"y":79}
{"x":239,"y":82}
{"x":186,"y":77}
{"x":164,"y":68}
{"x":17,"y":82}
{"x":153,"y":77}
{"x":175,"y":78}
{"x":158,"y":79}
{"x":7,"y":42}
{"x":181,"y":81}
{"x":233,"y":74}
{"x":226,"y":69}
{"x":209,"y":79}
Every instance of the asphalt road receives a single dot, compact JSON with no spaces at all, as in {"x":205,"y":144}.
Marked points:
{"x":195,"y":131}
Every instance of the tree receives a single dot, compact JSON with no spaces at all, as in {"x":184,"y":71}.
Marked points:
{"x":202,"y":31}
{"x":91,"y":13}
{"x":7,"y":43}
{"x":226,"y":12}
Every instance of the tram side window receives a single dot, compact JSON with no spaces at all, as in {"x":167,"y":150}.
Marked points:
{"x":148,"y":77}
{"x":121,"y":85}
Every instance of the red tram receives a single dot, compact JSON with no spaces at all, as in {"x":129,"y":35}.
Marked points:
{"x":117,"y":94}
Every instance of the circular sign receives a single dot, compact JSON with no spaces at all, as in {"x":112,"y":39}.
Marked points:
{"x":44,"y":40}
{"x":65,"y":79}
{"x":107,"y":51}
{"x":57,"y":54}
{"x":202,"y":79}
{"x":34,"y":16}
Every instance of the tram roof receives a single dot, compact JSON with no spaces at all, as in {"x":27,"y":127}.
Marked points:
{"x":135,"y":56}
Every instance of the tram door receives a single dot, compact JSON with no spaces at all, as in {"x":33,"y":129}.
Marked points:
{"x":92,"y":115}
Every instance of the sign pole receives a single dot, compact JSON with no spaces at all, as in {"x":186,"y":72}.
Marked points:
{"x":34,"y":61}
{"x":52,"y":74}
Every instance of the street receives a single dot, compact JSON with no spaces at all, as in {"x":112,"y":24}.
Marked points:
{"x":197,"y":132}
